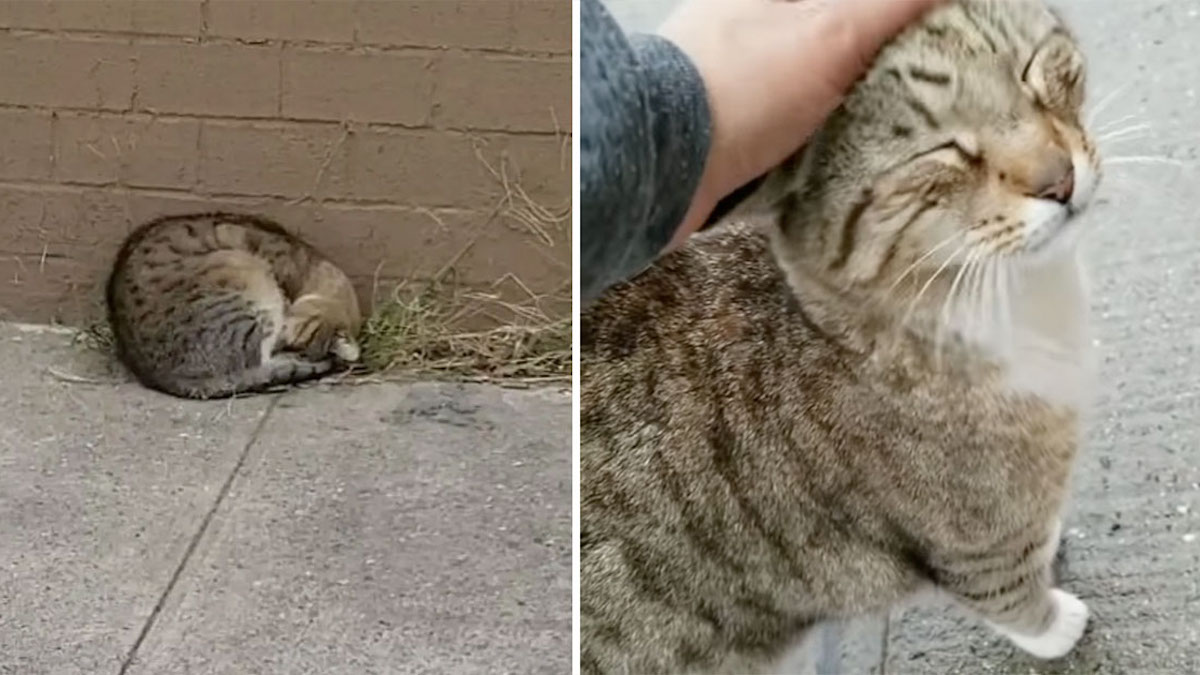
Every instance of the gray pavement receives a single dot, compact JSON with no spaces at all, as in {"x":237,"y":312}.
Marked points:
{"x":1133,"y":531}
{"x":381,"y":528}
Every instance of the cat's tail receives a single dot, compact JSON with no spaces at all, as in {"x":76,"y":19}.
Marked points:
{"x":281,"y":369}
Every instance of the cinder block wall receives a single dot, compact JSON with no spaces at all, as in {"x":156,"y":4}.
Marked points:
{"x":383,"y":131}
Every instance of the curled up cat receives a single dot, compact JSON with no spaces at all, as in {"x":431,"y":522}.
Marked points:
{"x":215,"y":304}
{"x":877,"y":390}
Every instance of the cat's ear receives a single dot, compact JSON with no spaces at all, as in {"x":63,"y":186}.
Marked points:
{"x":1055,"y":74}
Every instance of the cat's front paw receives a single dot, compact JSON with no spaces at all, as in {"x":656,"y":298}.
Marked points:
{"x":1070,"y":618}
{"x":346,"y":350}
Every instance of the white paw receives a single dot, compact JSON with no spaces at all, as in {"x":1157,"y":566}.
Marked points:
{"x":346,"y":350}
{"x":1070,"y":618}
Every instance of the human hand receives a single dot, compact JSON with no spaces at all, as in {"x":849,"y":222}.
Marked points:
{"x":773,"y":72}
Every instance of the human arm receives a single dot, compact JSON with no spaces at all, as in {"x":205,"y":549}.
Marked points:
{"x":671,"y":126}
{"x":644,"y":137}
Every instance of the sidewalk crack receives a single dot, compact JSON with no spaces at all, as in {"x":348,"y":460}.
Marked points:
{"x":195,"y":542}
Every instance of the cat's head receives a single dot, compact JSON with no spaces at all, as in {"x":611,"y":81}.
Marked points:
{"x":965,"y":142}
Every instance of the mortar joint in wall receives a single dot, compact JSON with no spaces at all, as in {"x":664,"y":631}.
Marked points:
{"x":54,"y":133}
{"x":279,"y":82}
{"x":204,"y":19}
{"x":199,"y":182}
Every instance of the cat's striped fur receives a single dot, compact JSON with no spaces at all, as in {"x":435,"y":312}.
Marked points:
{"x":875,"y":392}
{"x":214,"y":304}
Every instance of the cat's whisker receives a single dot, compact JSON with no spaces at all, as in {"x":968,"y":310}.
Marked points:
{"x":1157,"y":133}
{"x":973,"y":295}
{"x":952,"y":297}
{"x":987,"y":302}
{"x":913,"y":305}
{"x":1139,"y":133}
{"x":1002,"y":316}
{"x":1146,"y":159}
{"x":908,"y":270}
{"x":1004,"y":286}
{"x":982,"y":307}
{"x":1119,"y":133}
{"x":997,"y":299}
{"x":1105,"y":102}
{"x":951,"y":300}
{"x":970,"y":288}
{"x":1106,"y":142}
{"x":978,"y":306}
{"x":1108,"y":145}
{"x":1101,"y":128}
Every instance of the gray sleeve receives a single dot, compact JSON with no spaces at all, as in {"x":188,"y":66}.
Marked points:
{"x":644,"y":139}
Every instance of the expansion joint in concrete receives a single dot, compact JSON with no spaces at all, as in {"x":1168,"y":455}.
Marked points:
{"x":194,"y":544}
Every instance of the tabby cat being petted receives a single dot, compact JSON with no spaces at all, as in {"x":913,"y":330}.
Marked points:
{"x":873,"y":389}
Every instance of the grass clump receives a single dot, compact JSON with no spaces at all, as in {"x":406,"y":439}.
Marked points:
{"x":97,"y":335}
{"x":418,"y":329}
{"x":418,"y":332}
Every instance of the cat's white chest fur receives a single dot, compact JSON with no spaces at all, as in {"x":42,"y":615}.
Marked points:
{"x":1041,"y":337}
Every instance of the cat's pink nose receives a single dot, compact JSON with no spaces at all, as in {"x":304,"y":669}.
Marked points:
{"x":1057,"y":180}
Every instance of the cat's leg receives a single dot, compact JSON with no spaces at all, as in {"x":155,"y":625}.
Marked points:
{"x":317,"y":342}
{"x":1055,"y":540}
{"x":300,"y":322}
{"x":305,"y":328}
{"x":1012,"y":589}
{"x":278,"y":370}
{"x":288,"y":369}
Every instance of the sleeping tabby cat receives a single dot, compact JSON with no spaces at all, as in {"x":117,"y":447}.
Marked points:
{"x":878,"y":391}
{"x":215,"y":304}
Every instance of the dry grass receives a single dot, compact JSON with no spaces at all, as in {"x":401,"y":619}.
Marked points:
{"x":518,"y":207}
{"x":415,"y":333}
{"x":97,"y":335}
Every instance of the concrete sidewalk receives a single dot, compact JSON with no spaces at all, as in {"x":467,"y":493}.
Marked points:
{"x":1132,"y":550}
{"x":380,"y":528}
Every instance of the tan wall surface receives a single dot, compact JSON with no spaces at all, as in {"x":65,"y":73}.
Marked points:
{"x":382,"y":131}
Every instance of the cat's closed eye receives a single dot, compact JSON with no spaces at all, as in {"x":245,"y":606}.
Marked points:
{"x":966,"y":147}
{"x":955,"y":151}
